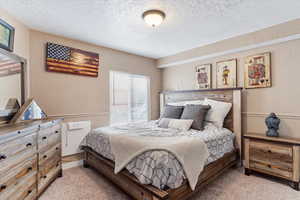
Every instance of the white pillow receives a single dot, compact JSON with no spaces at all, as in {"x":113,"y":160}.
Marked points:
{"x":180,"y":103}
{"x":181,"y":124}
{"x":218,"y":111}
{"x":183,"y":103}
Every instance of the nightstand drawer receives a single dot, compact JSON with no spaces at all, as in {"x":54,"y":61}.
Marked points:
{"x":273,"y":169}
{"x":276,"y":154}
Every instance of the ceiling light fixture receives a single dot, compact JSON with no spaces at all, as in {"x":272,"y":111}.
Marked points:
{"x":153,"y":17}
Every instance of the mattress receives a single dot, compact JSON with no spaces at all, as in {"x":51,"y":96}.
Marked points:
{"x":160,"y":168}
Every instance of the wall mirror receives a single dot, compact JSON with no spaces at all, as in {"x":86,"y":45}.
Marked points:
{"x":12,"y":85}
{"x":29,"y":111}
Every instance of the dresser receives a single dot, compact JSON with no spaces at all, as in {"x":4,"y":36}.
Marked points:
{"x":30,"y":158}
{"x":275,"y":156}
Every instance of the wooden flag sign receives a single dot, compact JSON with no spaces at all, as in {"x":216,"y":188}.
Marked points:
{"x":70,"y":60}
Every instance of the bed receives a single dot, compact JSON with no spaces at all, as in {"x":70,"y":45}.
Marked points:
{"x":137,"y":180}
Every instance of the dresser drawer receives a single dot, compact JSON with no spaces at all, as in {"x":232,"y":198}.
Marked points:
{"x":17,"y":146}
{"x":16,"y":174}
{"x":15,"y":160}
{"x":27,"y":192}
{"x":50,"y":130}
{"x":23,"y":189}
{"x":48,"y":172}
{"x":54,"y":151}
{"x":48,"y":138}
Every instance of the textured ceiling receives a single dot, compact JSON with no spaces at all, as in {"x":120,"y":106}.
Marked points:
{"x":118,"y":23}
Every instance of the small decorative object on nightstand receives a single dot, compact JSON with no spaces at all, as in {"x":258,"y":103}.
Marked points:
{"x":272,"y":122}
{"x":275,"y":156}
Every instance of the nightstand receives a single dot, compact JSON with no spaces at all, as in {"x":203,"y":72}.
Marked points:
{"x":275,"y":156}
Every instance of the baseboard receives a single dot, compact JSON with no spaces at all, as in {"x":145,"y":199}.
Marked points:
{"x":69,"y":165}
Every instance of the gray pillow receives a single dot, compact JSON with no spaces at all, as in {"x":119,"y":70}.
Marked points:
{"x":173,"y":112}
{"x":196,"y":113}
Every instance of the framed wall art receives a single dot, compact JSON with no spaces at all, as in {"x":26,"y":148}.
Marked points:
{"x":226,"y":73}
{"x":70,"y":60}
{"x":258,"y":71}
{"x":7,"y":33}
{"x":203,"y":76}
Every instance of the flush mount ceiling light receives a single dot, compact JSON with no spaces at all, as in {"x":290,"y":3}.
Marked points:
{"x":153,"y":17}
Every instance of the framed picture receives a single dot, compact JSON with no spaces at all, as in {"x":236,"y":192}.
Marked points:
{"x":65,"y":59}
{"x":258,"y":71}
{"x":203,"y":76}
{"x":7,"y":33}
{"x":226,"y":74}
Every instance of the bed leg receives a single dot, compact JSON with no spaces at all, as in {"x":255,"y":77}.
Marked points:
{"x":247,"y":172}
{"x":60,"y":174}
{"x":85,"y":164}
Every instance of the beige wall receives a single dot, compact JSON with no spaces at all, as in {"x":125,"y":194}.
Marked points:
{"x":79,"y":97}
{"x":21,"y":45}
{"x":71,"y":96}
{"x":282,"y":98}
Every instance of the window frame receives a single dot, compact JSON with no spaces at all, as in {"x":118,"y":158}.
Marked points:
{"x":112,"y":94}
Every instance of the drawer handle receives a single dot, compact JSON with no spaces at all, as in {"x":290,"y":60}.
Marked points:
{"x":28,"y":145}
{"x":19,"y":132}
{"x":29,"y":191}
{"x":269,"y":166}
{"x":3,"y":187}
{"x":45,"y":156}
{"x":44,"y":138}
{"x":269,"y":151}
{"x":56,"y":148}
{"x":45,"y":176}
{"x":2,"y":157}
{"x":56,"y":131}
{"x":29,"y":168}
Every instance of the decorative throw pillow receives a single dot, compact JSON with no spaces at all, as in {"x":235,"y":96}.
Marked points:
{"x":164,"y":122}
{"x":197,"y":113}
{"x":173,"y":112}
{"x":181,"y":124}
{"x":218,"y":111}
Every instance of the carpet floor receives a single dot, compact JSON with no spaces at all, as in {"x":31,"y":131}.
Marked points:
{"x":85,"y":184}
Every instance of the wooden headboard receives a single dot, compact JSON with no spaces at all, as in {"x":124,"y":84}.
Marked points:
{"x":233,"y":95}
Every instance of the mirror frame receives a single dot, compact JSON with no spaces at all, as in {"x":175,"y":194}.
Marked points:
{"x":4,"y":120}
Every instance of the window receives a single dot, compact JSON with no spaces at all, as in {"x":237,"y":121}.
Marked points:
{"x":129,"y":97}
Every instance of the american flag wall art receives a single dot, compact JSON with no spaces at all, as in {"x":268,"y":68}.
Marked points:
{"x":70,"y":60}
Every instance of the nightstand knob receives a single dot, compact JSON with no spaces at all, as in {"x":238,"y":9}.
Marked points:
{"x":269,"y":166}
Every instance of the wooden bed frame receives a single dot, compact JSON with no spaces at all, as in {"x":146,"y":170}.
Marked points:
{"x":128,"y":183}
